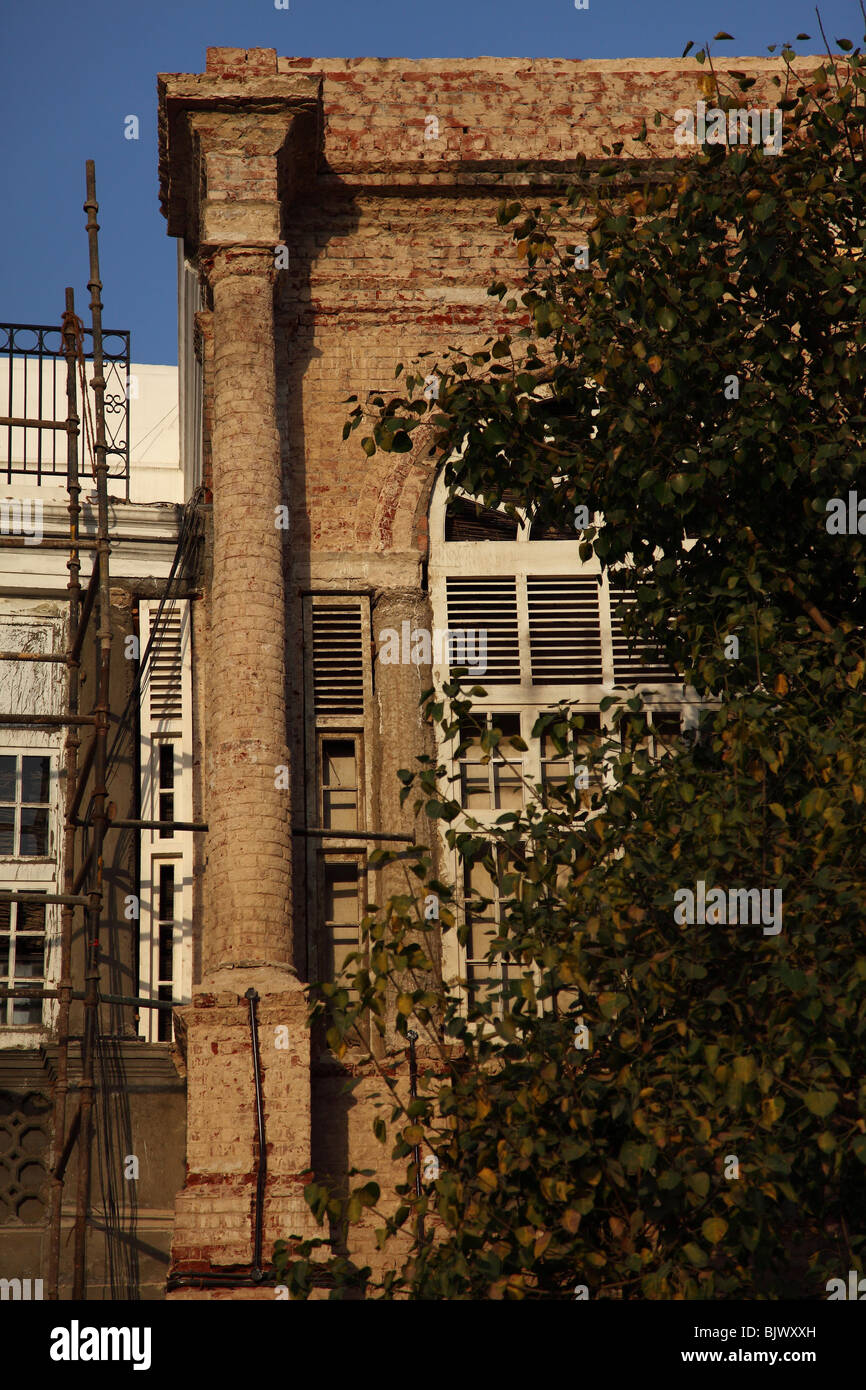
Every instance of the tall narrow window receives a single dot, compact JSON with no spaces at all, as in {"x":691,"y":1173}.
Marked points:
{"x":166,"y":787}
{"x":497,"y":784}
{"x":25,"y":796}
{"x":338,"y":688}
{"x":165,"y":982}
{"x":342,"y":917}
{"x":166,"y":889}
{"x":339,"y":786}
{"x":483,"y":920}
{"x":22,"y":958}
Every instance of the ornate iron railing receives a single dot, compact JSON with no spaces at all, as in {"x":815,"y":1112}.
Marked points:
{"x":33,"y":401}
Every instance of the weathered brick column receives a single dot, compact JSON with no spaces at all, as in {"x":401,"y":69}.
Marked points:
{"x":228,"y":171}
{"x":248,"y":878}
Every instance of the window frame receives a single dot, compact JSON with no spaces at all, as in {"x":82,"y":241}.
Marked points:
{"x":39,"y":874}
{"x":524,"y":558}
{"x":334,"y":846}
{"x":158,"y":848}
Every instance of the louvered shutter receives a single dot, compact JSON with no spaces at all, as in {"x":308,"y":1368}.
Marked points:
{"x":488,"y":604}
{"x":564,"y":629}
{"x":165,"y":693}
{"x":338,"y":660}
{"x":633,"y":659}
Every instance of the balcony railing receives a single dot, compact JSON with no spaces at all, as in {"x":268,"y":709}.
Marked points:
{"x":33,"y":395}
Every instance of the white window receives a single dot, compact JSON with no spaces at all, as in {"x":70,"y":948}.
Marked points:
{"x":165,"y":896}
{"x":28,"y":864}
{"x":31,"y":761}
{"x":548,"y":629}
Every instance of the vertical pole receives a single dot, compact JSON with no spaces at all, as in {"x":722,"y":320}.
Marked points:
{"x":73,"y":564}
{"x":262,"y":1173}
{"x":413,"y":1095}
{"x":99,"y":817}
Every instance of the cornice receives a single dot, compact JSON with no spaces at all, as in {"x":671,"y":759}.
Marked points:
{"x":184,"y":98}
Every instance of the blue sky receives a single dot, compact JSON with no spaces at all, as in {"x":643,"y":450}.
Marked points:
{"x":71,"y":73}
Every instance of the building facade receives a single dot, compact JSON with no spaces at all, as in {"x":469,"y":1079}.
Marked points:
{"x":333,"y":218}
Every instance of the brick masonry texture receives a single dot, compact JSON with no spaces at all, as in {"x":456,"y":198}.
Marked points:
{"x":392,"y":244}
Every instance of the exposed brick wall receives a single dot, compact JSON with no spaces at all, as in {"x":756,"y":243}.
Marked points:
{"x":494,"y":110}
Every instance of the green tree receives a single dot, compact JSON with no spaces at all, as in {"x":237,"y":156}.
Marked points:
{"x":700,"y":386}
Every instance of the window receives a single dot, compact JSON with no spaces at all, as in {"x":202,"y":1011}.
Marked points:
{"x":165,"y":912}
{"x":341,"y":916}
{"x":339,"y":783}
{"x":25,"y":797}
{"x":548,"y":618}
{"x":166,"y":949}
{"x":166,"y":787}
{"x":657,"y":731}
{"x":496,"y":785}
{"x":484,"y":906}
{"x":551,"y":627}
{"x":337,"y":691}
{"x":573,"y":769}
{"x":22,"y":958}
{"x":482,"y":921}
{"x":29,"y":830}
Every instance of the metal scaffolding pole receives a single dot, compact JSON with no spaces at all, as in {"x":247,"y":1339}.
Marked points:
{"x":61,"y":1085}
{"x":99,"y":802}
{"x":87,"y":774}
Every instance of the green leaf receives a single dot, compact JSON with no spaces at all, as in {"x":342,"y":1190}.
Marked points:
{"x":695,"y":1254}
{"x":713,"y":1229}
{"x":821,"y":1103}
{"x":699,"y":1183}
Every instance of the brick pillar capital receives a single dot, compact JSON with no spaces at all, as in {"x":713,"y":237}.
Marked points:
{"x":219,"y":262}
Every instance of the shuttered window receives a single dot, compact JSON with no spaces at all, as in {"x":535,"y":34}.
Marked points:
{"x":164,"y":688}
{"x":166,"y":855}
{"x":488,"y":605}
{"x":634,"y":660}
{"x":337,"y":660}
{"x":564,"y":629}
{"x":338,"y":704}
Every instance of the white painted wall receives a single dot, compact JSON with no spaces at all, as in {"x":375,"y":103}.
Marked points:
{"x":154,"y":431}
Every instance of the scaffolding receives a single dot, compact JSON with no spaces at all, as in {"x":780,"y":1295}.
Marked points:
{"x":89,"y":619}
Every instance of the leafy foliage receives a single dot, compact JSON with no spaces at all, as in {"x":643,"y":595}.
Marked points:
{"x":609,"y":1165}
